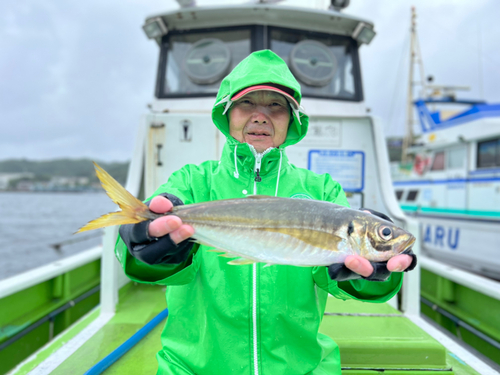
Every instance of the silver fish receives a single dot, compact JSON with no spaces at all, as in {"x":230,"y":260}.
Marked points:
{"x":273,"y":230}
{"x":299,"y":232}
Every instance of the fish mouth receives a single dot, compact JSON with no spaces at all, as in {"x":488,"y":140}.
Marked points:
{"x":409,"y":246}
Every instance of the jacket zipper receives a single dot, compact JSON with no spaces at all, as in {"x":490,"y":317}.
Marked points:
{"x":258,"y":161}
{"x":257,"y":168}
{"x":254,"y":320}
{"x":257,"y":176}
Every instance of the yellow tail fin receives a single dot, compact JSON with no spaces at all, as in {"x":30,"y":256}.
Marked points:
{"x":133,"y":210}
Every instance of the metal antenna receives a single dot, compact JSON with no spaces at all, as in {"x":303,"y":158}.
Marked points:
{"x":415,"y":58}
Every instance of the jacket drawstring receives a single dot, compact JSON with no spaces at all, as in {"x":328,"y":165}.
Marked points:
{"x":236,"y":174}
{"x":225,"y":100}
{"x":279,"y":172}
{"x":296,"y":112}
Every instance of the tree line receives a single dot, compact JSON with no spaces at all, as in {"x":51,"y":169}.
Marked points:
{"x":44,"y":170}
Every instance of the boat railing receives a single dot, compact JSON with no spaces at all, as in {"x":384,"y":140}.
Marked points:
{"x":483,"y":285}
{"x":41,"y":274}
{"x":39,"y":304}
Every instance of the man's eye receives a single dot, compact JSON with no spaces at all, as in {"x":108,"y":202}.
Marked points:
{"x":276,"y":104}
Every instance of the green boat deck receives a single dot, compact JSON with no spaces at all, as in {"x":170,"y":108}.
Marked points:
{"x":373,"y":338}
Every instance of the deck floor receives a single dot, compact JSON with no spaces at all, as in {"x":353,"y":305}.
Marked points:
{"x":372,"y":336}
{"x":138,"y":305}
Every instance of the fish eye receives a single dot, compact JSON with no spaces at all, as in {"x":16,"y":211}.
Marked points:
{"x":385,"y":233}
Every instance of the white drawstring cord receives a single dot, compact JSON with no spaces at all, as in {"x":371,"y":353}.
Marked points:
{"x":236,"y":174}
{"x":297,"y":111}
{"x":226,"y":108}
{"x":226,"y":100}
{"x":279,"y":172}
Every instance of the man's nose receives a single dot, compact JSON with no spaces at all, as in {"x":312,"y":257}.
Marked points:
{"x":260,"y":115}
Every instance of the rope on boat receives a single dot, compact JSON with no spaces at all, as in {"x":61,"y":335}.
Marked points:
{"x":116,"y":354}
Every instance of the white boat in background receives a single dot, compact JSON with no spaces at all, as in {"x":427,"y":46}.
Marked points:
{"x":448,"y":179}
{"x":453,"y":184}
{"x":449,"y":174}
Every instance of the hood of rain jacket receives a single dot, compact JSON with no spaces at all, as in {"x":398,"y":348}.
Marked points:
{"x":259,"y":68}
{"x":249,"y":319}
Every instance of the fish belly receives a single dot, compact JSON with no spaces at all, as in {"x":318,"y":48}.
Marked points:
{"x":269,"y":247}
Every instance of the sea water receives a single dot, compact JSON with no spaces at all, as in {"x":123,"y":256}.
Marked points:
{"x":32,"y":223}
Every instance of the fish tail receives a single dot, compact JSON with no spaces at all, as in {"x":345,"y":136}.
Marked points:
{"x":132,"y":209}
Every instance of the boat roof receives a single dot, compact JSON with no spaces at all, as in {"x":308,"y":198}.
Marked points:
{"x":310,"y":19}
{"x":432,"y":121}
{"x":450,"y":100}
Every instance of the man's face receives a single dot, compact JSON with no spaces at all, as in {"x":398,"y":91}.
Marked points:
{"x":261,"y":119}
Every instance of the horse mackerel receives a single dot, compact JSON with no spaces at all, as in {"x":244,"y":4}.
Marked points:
{"x":273,"y":230}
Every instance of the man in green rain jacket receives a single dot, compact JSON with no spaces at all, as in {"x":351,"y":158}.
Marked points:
{"x":248,"y":319}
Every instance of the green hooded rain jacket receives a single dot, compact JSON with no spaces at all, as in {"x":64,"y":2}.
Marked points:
{"x":249,"y":319}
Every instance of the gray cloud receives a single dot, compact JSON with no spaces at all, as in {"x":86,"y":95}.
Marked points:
{"x":76,"y":77}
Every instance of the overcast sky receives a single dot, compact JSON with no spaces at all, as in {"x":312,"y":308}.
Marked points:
{"x":75,"y":77}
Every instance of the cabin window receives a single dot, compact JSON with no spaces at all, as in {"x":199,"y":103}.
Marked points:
{"x":412,"y":195}
{"x":438,"y":162}
{"x":488,"y":154}
{"x":325,"y":65}
{"x":399,"y":194}
{"x":456,"y":158}
{"x":195,"y":63}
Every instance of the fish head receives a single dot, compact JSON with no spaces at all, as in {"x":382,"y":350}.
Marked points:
{"x":379,"y":240}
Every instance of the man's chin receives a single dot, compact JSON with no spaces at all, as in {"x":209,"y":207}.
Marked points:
{"x":259,"y":146}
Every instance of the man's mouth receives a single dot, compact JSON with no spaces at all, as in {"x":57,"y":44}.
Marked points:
{"x":259,"y":134}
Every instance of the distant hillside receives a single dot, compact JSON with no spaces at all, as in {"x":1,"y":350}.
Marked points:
{"x":64,"y":168}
